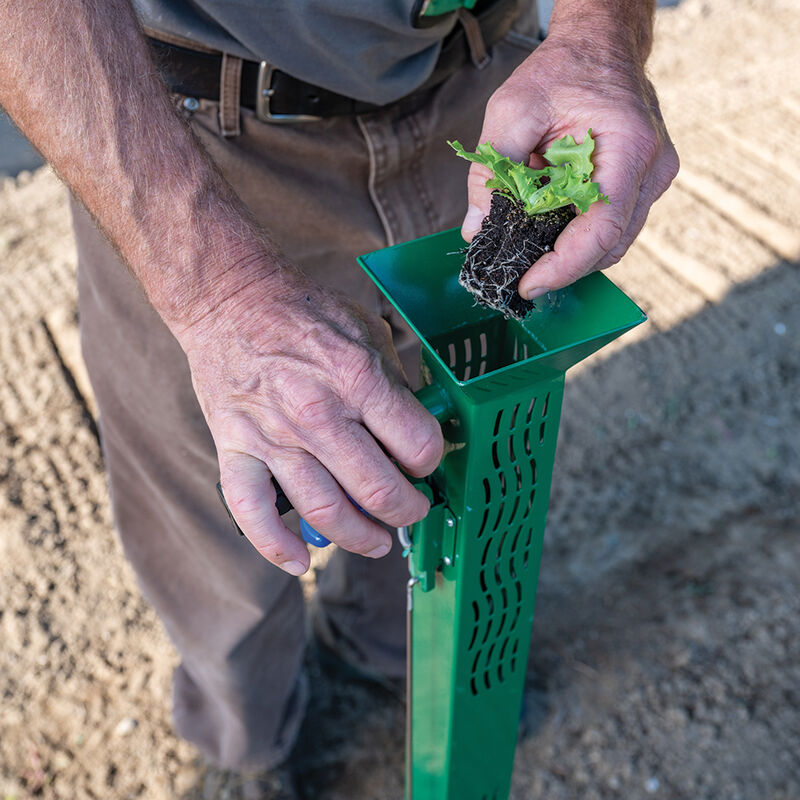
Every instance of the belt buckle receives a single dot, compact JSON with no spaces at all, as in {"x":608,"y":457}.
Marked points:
{"x":264,"y":92}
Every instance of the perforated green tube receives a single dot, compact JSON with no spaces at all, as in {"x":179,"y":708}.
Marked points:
{"x":474,"y":560}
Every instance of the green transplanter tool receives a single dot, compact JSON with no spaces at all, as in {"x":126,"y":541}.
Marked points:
{"x":496,"y":386}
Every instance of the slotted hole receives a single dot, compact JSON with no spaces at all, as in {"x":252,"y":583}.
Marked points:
{"x":497,"y":422}
{"x":482,"y":368}
{"x":500,"y":544}
{"x":486,"y":680}
{"x":487,"y":489}
{"x":525,"y":559}
{"x":504,"y":595}
{"x":497,"y":579}
{"x":516,"y":350}
{"x":514,"y":656}
{"x":474,"y":637}
{"x":503,"y":650}
{"x":488,"y":630}
{"x":499,"y":516}
{"x":516,"y":540}
{"x":472,"y":687}
{"x":541,"y":433}
{"x":500,"y":660}
{"x":490,"y":603}
{"x":476,"y":611}
{"x":518,"y":473}
{"x":467,"y":372}
{"x":530,"y":410}
{"x":514,"y":417}
{"x":483,"y":524}
{"x":533,"y":471}
{"x":467,"y":350}
{"x":530,"y":503}
{"x":483,"y":581}
{"x":451,"y":354}
{"x":475,"y":663}
{"x":512,"y":456}
{"x":517,"y":612}
{"x":486,"y":552}
{"x":526,"y":441}
{"x":495,"y":457}
{"x":483,"y":345}
{"x":500,"y":628}
{"x":519,"y":593}
{"x":546,"y":403}
{"x":512,"y":570}
{"x":525,"y":350}
{"x":514,"y":510}
{"x":502,"y":477}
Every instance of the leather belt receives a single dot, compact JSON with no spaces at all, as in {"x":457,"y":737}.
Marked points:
{"x":276,"y":96}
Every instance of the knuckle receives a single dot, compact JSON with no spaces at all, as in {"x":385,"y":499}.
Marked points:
{"x":428,"y":451}
{"x":501,"y":105}
{"x":315,"y":412}
{"x":363,"y":374}
{"x":235,"y":431}
{"x":244,"y":505}
{"x":609,"y":234}
{"x":383,"y":497}
{"x":324,"y":515}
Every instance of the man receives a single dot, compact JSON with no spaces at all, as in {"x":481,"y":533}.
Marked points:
{"x":260,"y":351}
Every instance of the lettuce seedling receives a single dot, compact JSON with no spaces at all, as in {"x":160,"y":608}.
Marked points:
{"x":530,"y":208}
{"x":565,"y":182}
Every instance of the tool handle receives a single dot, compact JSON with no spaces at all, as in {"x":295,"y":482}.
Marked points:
{"x":435,"y":401}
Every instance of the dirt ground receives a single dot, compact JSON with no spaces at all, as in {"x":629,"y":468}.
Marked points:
{"x":665,"y":661}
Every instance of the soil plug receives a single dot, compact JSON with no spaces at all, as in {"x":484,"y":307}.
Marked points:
{"x":530,"y":207}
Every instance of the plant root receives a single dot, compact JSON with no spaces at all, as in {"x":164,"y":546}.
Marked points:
{"x":508,"y":243}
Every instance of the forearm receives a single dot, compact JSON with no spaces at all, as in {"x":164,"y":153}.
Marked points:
{"x":77,"y":78}
{"x":611,"y":29}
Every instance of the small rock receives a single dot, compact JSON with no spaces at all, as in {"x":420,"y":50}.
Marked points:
{"x":125,"y":726}
{"x":651,"y":785}
{"x":779,"y":328}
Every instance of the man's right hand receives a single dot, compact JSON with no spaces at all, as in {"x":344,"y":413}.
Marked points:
{"x":300,"y":382}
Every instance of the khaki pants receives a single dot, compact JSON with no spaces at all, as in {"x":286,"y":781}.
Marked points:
{"x":327,"y":191}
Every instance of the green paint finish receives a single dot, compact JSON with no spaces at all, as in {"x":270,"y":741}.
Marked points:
{"x":497,"y":385}
{"x":433,"y":8}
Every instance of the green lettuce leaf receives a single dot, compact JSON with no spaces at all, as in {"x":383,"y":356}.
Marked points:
{"x":565,"y":182}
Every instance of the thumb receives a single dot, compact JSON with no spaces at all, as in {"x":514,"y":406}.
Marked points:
{"x":516,"y":147}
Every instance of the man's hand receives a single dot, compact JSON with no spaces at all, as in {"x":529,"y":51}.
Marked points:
{"x":588,"y":73}
{"x":293,"y":380}
{"x":308,"y":388}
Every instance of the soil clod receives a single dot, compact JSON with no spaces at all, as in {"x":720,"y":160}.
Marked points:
{"x":508,"y":243}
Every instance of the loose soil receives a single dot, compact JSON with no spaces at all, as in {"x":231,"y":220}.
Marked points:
{"x":665,"y":660}
{"x":509,"y":242}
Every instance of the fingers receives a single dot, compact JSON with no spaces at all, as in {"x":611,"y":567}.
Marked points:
{"x":322,"y":503}
{"x":514,"y":132}
{"x":580,"y":246}
{"x":409,"y":433}
{"x":372,"y":480}
{"x":601,"y":236}
{"x":251,"y":499}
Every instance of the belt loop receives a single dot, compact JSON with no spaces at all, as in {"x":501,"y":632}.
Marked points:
{"x":472,"y":31}
{"x":230,"y":83}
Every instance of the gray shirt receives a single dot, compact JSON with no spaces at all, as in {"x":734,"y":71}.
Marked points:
{"x":367,"y":49}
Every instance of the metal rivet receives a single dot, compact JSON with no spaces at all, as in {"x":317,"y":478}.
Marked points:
{"x":191,"y":103}
{"x":447,"y":561}
{"x":450,"y":522}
